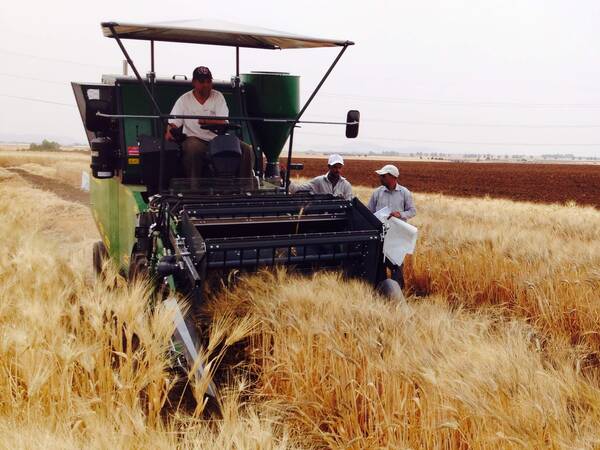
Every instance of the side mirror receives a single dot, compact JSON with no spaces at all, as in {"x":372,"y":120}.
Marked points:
{"x":96,"y":123}
{"x":352,"y":120}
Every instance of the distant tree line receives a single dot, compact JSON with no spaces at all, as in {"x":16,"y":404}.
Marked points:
{"x":45,"y":145}
{"x":475,"y":156}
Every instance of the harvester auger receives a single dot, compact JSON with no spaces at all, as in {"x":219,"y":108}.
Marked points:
{"x":181,"y":232}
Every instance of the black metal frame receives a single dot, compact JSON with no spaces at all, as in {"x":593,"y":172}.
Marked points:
{"x":164,"y":117}
{"x":352,"y":242}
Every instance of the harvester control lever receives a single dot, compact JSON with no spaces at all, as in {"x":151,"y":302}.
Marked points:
{"x":178,"y":135}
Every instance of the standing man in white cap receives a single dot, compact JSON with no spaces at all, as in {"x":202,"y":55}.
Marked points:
{"x":331,"y":183}
{"x":400,"y":202}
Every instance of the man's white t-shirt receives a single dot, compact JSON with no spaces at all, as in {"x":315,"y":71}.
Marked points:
{"x":187,"y":104}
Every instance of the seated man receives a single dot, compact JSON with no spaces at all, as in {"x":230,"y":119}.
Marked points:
{"x":203,"y":100}
{"x":331,"y":183}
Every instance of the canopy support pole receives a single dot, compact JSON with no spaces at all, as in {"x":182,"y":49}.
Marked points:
{"x":310,"y":99}
{"x":152,"y":56}
{"x":161,"y":168}
{"x":333,"y":64}
{"x":152,"y":80}
{"x":289,"y":159}
{"x":135,"y":71}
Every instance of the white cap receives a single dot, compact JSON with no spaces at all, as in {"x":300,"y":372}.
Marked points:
{"x":388,"y":168}
{"x":335,"y":159}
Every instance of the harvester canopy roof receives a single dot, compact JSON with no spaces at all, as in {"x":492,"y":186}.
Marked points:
{"x":215,"y":32}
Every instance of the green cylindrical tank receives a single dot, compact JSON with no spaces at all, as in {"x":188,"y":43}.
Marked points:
{"x":274,"y":95}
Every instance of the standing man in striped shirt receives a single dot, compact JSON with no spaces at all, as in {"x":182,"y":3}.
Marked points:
{"x":400,"y":202}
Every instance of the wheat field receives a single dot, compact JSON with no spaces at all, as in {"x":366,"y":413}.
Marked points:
{"x":496,"y":347}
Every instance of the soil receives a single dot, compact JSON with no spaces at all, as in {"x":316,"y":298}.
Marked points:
{"x":62,"y":190}
{"x":547,"y":183}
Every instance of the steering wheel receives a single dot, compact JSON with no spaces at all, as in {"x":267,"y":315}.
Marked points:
{"x":221,"y":128}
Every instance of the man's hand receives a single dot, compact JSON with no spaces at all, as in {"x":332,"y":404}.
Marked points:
{"x":396,"y":214}
{"x":282,"y":172}
{"x":168,"y":135}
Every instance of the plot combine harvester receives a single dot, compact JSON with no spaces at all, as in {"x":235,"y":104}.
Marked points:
{"x":182,"y":233}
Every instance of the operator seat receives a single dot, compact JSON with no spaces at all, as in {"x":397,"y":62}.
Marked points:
{"x":225,"y":156}
{"x":223,"y":159}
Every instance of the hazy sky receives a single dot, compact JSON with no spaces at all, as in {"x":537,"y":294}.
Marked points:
{"x":453,"y":76}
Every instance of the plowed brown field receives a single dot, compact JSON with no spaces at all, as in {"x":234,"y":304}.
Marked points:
{"x":548,"y":183}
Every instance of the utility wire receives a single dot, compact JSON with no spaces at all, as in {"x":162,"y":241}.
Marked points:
{"x":402,"y":122}
{"x":472,"y":125}
{"x":462,"y":103}
{"x":419,"y":141}
{"x":439,"y":102}
{"x":49,"y":58}
{"x":39,"y":100}
{"x":24,"y":77}
{"x":424,"y":141}
{"x":376,"y":119}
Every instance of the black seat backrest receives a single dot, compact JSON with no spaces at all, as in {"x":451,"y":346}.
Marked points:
{"x":225,"y":156}
{"x":149,"y":148}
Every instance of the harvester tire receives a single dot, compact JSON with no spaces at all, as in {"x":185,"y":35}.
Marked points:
{"x":99,"y":255}
{"x":138,"y":267}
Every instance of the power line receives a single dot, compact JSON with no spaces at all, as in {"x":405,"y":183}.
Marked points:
{"x":438,"y":102}
{"x":463,"y":103}
{"x":24,"y":77}
{"x":420,"y":141}
{"x":473,"y":125}
{"x":49,"y":58}
{"x":38,"y":100}
{"x":486,"y":125}
{"x":376,"y":119}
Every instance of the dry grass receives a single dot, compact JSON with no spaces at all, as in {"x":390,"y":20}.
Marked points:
{"x":63,"y":166}
{"x":497,"y":348}
{"x":83,"y":363}
{"x":347,"y":368}
{"x":540,"y":263}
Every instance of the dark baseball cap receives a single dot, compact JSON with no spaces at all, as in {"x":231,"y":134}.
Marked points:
{"x":201,"y":73}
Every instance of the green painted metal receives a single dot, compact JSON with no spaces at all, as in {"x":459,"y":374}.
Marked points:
{"x":102,"y":193}
{"x":272,"y":95}
{"x":115,"y":207}
{"x":117,"y":201}
{"x":134,"y":101}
